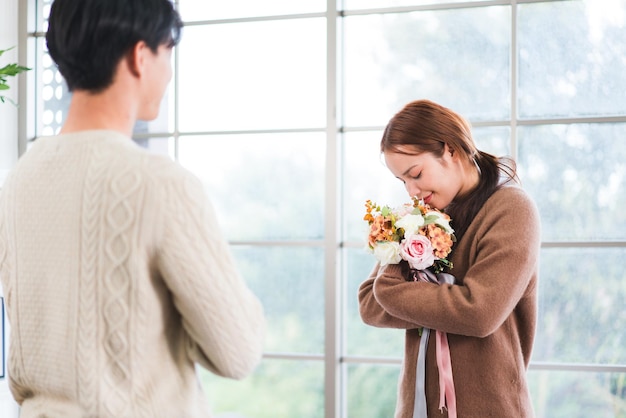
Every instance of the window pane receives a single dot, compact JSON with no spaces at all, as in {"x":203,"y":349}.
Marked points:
{"x":558,"y":394}
{"x":362,"y":339}
{"x":366,"y":4}
{"x":268,"y":75}
{"x":459,"y":58}
{"x":43,"y":11}
{"x":289,"y":281}
{"x":53,"y":99}
{"x":494,"y":140}
{"x":191,"y":10}
{"x":372,"y":390}
{"x":577,"y":175}
{"x":277,"y":388}
{"x":571,"y":59}
{"x":264,"y":187}
{"x":582,"y":294}
{"x":366,"y":177}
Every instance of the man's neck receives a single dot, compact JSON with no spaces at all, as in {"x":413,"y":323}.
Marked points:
{"x":108,"y":110}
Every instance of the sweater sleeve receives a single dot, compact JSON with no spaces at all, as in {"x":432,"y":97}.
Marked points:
{"x":372,"y":313}
{"x":505,"y":241}
{"x":223,"y":319}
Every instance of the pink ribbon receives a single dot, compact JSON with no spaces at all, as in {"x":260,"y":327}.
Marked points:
{"x":446,"y":382}
{"x":447,"y":395}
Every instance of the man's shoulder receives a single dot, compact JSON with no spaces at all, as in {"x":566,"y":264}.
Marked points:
{"x":165,"y":169}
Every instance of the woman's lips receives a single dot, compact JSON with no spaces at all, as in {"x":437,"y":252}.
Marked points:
{"x":428,"y":198}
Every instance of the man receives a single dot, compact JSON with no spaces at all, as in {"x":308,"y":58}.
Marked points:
{"x":117,"y":280}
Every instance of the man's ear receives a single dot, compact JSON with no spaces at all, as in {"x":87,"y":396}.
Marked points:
{"x":135,"y":58}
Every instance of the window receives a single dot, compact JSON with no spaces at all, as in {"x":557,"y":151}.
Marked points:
{"x":278,"y":107}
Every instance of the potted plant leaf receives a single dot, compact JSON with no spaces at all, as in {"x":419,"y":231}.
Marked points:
{"x":9,"y":70}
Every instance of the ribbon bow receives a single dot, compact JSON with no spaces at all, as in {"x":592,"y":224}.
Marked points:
{"x":444,"y":364}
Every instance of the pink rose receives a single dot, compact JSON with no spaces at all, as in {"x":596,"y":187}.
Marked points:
{"x":418,"y":251}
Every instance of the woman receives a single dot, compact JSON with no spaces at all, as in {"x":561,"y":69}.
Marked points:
{"x":489,"y":313}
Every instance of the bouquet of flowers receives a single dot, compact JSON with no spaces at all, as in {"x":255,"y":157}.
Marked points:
{"x":414,"y":232}
{"x":422,"y":236}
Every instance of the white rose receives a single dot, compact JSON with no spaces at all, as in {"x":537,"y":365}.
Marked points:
{"x":410,"y":223}
{"x":387,"y":252}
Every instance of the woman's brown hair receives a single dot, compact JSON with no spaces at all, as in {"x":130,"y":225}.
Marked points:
{"x":425,"y":126}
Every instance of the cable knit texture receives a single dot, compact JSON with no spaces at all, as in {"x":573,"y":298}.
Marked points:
{"x":117,"y":281}
{"x":489,"y":314}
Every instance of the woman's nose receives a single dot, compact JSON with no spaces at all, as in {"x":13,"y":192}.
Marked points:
{"x":413,"y":189}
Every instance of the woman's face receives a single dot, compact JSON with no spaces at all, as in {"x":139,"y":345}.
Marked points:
{"x":436,"y":180}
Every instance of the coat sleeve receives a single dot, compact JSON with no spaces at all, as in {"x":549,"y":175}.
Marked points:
{"x":502,"y":263}
{"x":223,"y":319}
{"x":372,"y":312}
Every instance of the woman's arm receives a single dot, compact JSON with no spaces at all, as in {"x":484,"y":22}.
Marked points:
{"x":372,"y":313}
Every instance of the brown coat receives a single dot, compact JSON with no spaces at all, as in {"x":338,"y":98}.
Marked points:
{"x":490,"y":313}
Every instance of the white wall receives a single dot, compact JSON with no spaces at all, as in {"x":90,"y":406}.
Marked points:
{"x":8,"y":112}
{"x":8,"y":151}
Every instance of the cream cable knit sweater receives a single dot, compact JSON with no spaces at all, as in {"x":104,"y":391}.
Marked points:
{"x":116,"y":281}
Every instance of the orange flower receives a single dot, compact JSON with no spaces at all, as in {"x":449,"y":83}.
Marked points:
{"x":381,"y":229}
{"x":441,"y":241}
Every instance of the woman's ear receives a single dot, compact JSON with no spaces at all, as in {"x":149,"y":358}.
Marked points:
{"x":448,"y":150}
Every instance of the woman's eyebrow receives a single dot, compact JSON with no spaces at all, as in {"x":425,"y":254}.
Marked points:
{"x":409,"y":169}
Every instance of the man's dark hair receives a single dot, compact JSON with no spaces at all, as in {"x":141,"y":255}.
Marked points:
{"x":88,"y":38}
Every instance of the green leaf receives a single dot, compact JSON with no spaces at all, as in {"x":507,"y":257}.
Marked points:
{"x":2,"y":51}
{"x":4,"y":99}
{"x":9,"y":70}
{"x":428,"y":219}
{"x":13,"y":69}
